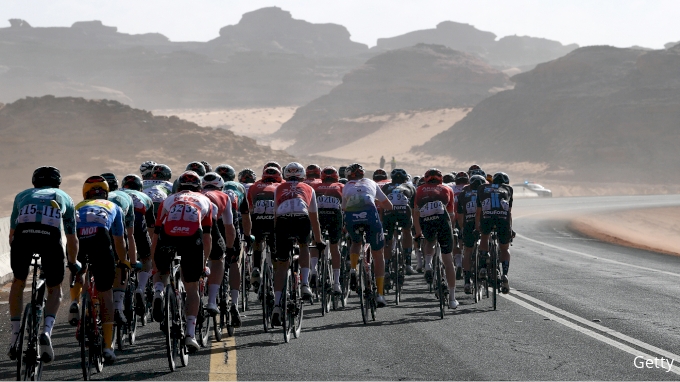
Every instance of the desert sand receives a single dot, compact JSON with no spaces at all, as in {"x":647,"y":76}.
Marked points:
{"x":656,"y":229}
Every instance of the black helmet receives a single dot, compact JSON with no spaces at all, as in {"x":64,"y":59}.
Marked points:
{"x":416,"y":179}
{"x":462,"y":178}
{"x":111,"y":180}
{"x":447,"y":178}
{"x":341,"y":171}
{"x":247,"y":175}
{"x":343,"y":180}
{"x":354,"y":171}
{"x":46,"y":176}
{"x":272,"y":164}
{"x":399,"y":175}
{"x":207,"y":166}
{"x":133,"y":182}
{"x":476,"y":181}
{"x":478,"y":171}
{"x":196,"y":167}
{"x":501,"y":178}
{"x":161,"y":172}
{"x":472,"y":168}
{"x":226,"y":172}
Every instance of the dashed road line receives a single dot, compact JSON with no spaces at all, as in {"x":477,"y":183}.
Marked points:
{"x":223,"y":359}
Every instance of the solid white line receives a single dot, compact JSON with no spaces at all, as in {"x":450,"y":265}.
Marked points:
{"x":588,"y":332}
{"x":593,"y":257}
{"x":601,"y":328}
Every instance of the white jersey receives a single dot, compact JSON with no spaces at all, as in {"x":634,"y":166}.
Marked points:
{"x":360,"y":195}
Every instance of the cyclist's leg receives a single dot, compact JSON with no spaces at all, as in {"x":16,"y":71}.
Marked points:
{"x":20,"y":255}
{"x":143,"y":242}
{"x":302,"y":228}
{"x":446,"y":242}
{"x":281,"y":256}
{"x":429,"y":231}
{"x":334,"y":228}
{"x":407,"y":239}
{"x":191,"y":264}
{"x":52,"y":261}
{"x":468,"y":243}
{"x":216,"y":266}
{"x":165,"y":251}
{"x":504,"y":236}
{"x":486,"y":226}
{"x":376,"y":238}
{"x":103,"y":265}
{"x":234,"y":261}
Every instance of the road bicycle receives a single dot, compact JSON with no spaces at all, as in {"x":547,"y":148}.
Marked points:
{"x":344,"y":275}
{"x":292,"y":305}
{"x":397,"y":264}
{"x":266,"y":288}
{"x":493,"y":267}
{"x":324,"y":281}
{"x":441,"y":289}
{"x":203,"y":317}
{"x":366,"y":287}
{"x":89,"y":330}
{"x":246,"y":267}
{"x":127,"y":330}
{"x":27,"y":347}
{"x":175,"y":317}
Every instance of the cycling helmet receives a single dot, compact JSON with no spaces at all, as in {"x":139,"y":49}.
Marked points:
{"x":342,"y":180}
{"x":247,"y":175}
{"x":111,"y":180}
{"x":473,"y":167}
{"x":501,"y":178}
{"x":433,"y":175}
{"x":46,"y":176}
{"x":271,"y":164}
{"x":212,"y":181}
{"x":476,"y":181}
{"x":354,"y":171}
{"x":226,"y":172}
{"x":294,"y":171}
{"x":341,"y":171}
{"x":189,"y":180}
{"x":448,"y":178}
{"x":478,"y":171}
{"x":313,"y":171}
{"x":462,"y":178}
{"x":379,"y":175}
{"x":196,"y":167}
{"x":161,"y":172}
{"x":330,"y":173}
{"x":133,"y":182}
{"x":95,"y":187}
{"x":416,"y":179}
{"x":421,"y":180}
{"x":272,"y":174}
{"x":489,"y":178}
{"x":146,"y":168}
{"x":208,"y":167}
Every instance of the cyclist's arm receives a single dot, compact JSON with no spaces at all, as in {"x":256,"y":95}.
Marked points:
{"x":119,"y":243}
{"x":229,"y":230}
{"x":245,"y":217}
{"x":382,"y":200}
{"x":314,"y":218}
{"x":71,"y":247}
{"x":416,"y":221}
{"x":150,"y":218}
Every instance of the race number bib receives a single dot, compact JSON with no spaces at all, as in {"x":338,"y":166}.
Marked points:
{"x":183,"y":212}
{"x":264,"y":207}
{"x":97,"y":215}
{"x":471,"y":206}
{"x":28,"y":214}
{"x":156,"y":194}
{"x":397,"y":198}
{"x":432,"y":208}
{"x":292,"y":206}
{"x":51,"y":216}
{"x":330,"y":202}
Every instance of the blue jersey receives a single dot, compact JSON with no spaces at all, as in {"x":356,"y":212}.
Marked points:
{"x":99,"y":213}
{"x":48,"y":206}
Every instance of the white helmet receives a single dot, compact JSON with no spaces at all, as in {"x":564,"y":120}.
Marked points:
{"x":146,"y":168}
{"x":294,"y":171}
{"x":212,"y":179}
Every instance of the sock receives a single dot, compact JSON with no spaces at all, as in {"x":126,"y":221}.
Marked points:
{"x":353,"y":260}
{"x":75,"y":292}
{"x":428,"y":260}
{"x":49,"y":324}
{"x":305,"y":276}
{"x":314,"y":262}
{"x":118,"y":296}
{"x":234,"y":296}
{"x":419,"y":254}
{"x":213,"y":290}
{"x":143,"y":278}
{"x":107,"y":328}
{"x":158,"y":287}
{"x":452,"y":293}
{"x":506,"y":265}
{"x":380,"y":282}
{"x":191,"y":326}
{"x":468,"y":276}
{"x":336,"y":276}
{"x":16,"y":324}
{"x":277,"y":297}
{"x":458,"y":259}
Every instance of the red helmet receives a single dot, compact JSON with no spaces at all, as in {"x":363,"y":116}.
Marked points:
{"x":271,"y":164}
{"x":313,"y":171}
{"x":189,"y":180}
{"x":433,"y":175}
{"x":354,"y":171}
{"x":473,"y":167}
{"x":330,"y":173}
{"x":379,"y":175}
{"x":462,"y":178}
{"x":272,"y":174}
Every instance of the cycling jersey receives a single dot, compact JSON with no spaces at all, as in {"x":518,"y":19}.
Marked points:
{"x":329,"y":201}
{"x":467,"y":204}
{"x":261,"y":199}
{"x":50,"y":207}
{"x":126,"y":204}
{"x":185,"y":213}
{"x":294,"y":198}
{"x":144,"y":216}
{"x":164,"y":184}
{"x":402,"y":197}
{"x":221,"y":206}
{"x":237,"y":194}
{"x":92,"y":214}
{"x":157,"y":194}
{"x":360,"y":195}
{"x":434,"y":199}
{"x":495,"y":200}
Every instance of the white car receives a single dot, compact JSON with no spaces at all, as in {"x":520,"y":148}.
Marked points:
{"x":531,"y":187}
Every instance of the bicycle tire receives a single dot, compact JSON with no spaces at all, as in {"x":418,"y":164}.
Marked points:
{"x":182,"y":332}
{"x":298,"y":313}
{"x":264,"y":284}
{"x":475,"y":274}
{"x":170,"y":311}
{"x":361,"y":288}
{"x":494,"y":274}
{"x":440,"y":285}
{"x":132,"y":311}
{"x":203,"y":330}
{"x":25,"y":362}
{"x":396,"y":260}
{"x":119,"y":334}
{"x":285,"y":309}
{"x":86,"y":337}
{"x":244,"y":289}
{"x":344,"y":278}
{"x":373,"y":293}
{"x":217,"y":319}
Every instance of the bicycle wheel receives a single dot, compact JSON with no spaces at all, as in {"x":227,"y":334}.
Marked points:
{"x":285,"y":309}
{"x":130,"y":311}
{"x":344,"y":274}
{"x":27,"y":347}
{"x":182,"y":326}
{"x":374,"y":292}
{"x":494,"y":274}
{"x":396,"y":260}
{"x":171,"y":343}
{"x":298,"y":312}
{"x":203,"y":329}
{"x":244,"y":286}
{"x":86,"y":331}
{"x":217,"y":319}
{"x":362,"y":290}
{"x":440,"y":285}
{"x":476,"y":290}
{"x":265,"y":286}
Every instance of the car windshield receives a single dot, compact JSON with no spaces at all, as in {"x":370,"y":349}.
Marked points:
{"x":535,"y":186}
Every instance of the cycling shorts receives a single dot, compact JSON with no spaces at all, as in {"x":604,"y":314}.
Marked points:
{"x":219,"y":247}
{"x":190,"y":248}
{"x":390,"y":221}
{"x":142,"y":239}
{"x":95,"y":250}
{"x":438,"y":227}
{"x":469,"y":235}
{"x":30,"y":238}
{"x":330,"y":220}
{"x":298,"y":227}
{"x":370,"y":222}
{"x":262,"y":223}
{"x":503,"y":228}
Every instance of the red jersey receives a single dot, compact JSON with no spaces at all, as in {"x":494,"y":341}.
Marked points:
{"x":261,"y":197}
{"x":434,"y":199}
{"x":328,"y":195}
{"x":184,"y":213}
{"x":223,"y":206}
{"x":294,"y":198}
{"x":312,"y":181}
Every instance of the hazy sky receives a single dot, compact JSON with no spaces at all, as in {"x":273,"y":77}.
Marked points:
{"x":622,"y":23}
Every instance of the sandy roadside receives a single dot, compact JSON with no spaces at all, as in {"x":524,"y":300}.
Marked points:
{"x":656,"y":229}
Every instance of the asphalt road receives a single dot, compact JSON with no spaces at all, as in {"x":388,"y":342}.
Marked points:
{"x":579,"y":309}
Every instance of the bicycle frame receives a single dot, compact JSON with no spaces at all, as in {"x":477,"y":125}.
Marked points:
{"x":29,"y":364}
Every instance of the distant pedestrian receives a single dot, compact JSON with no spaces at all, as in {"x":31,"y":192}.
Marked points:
{"x":393,"y":163}
{"x":382,"y":162}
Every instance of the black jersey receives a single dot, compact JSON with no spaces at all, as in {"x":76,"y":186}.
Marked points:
{"x":495,"y":200}
{"x":467,"y":204}
{"x":401,"y":195}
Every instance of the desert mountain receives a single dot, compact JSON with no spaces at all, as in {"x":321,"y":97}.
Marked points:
{"x":603,"y":113}
{"x":511,"y":51}
{"x":84,"y":138}
{"x":421,"y":77}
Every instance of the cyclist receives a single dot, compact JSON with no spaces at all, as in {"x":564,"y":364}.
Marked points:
{"x":447,"y":179}
{"x":261,"y":198}
{"x":402,"y":195}
{"x":461,"y":180}
{"x":489,"y":178}
{"x":312,"y":174}
{"x":144,"y":221}
{"x":196,"y":167}
{"x":158,"y":186}
{"x":207,"y":166}
{"x":295,"y":212}
{"x":328,"y":200}
{"x":494,"y":210}
{"x":222,"y":242}
{"x":99,"y":220}
{"x":247,"y":177}
{"x":313,"y":177}
{"x":39,"y":215}
{"x":380,"y":177}
{"x":466,"y":211}
{"x":432,"y":219}
{"x":359,"y":198}
{"x":474,"y":168}
{"x":183,"y":226}
{"x":146,"y":168}
{"x":126,"y":204}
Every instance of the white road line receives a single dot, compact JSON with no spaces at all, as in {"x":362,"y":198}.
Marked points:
{"x":601,"y":328}
{"x":593,"y":257}
{"x":588,"y":332}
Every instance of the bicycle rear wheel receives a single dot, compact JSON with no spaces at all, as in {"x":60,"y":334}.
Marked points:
{"x":494,"y":274}
{"x":344,"y":276}
{"x":373,"y":293}
{"x":28,"y":347}
{"x":477,"y":291}
{"x":362,"y":289}
{"x":203,"y":329}
{"x":86,"y":337}
{"x":396,"y":260}
{"x":245,"y":272}
{"x":286,"y":316}
{"x":265,"y":286}
{"x":131,"y":311}
{"x":298,"y":312}
{"x":171,"y":343}
{"x":440,"y":284}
